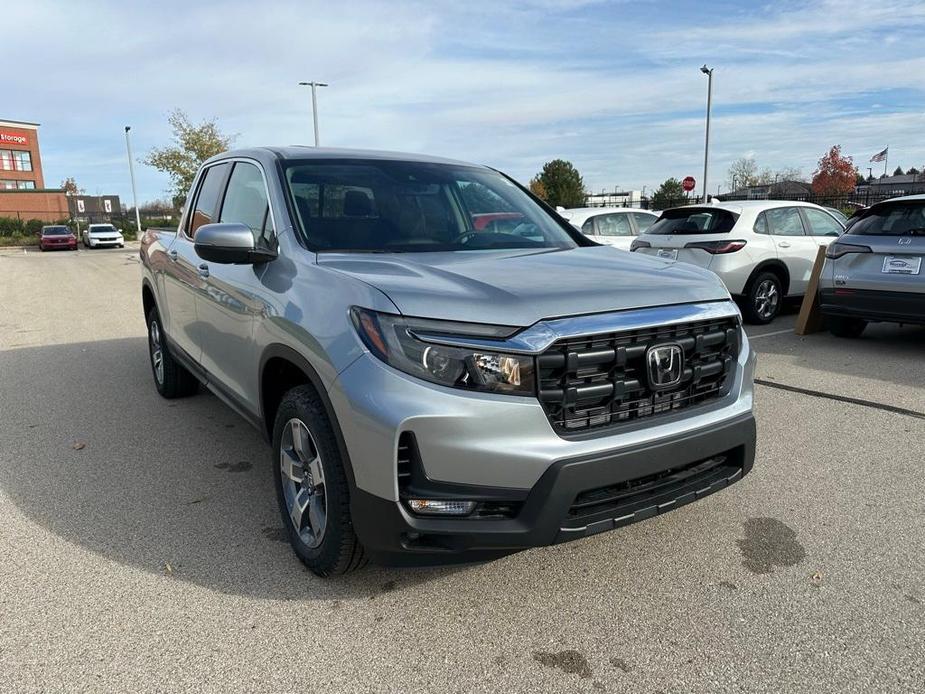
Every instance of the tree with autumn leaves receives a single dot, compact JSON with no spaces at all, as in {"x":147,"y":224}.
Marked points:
{"x":835,"y":175}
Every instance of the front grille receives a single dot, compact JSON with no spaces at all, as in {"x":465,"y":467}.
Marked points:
{"x":586,"y":383}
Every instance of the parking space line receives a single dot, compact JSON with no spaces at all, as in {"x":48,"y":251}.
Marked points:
{"x":842,"y":398}
{"x":776,"y":332}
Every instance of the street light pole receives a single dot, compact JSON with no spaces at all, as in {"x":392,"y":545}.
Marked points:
{"x":131,"y":170}
{"x":706,"y":147}
{"x":314,"y":85}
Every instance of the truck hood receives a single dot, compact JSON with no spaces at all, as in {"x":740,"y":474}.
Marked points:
{"x":519,"y":288}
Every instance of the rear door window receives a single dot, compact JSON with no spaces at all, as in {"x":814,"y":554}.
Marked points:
{"x":644,"y":221}
{"x":761,"y":224}
{"x":785,"y":221}
{"x":822,"y":223}
{"x":616,"y":224}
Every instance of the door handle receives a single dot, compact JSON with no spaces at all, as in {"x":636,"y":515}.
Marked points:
{"x":784,"y":244}
{"x":172,"y":254}
{"x":203,"y":271}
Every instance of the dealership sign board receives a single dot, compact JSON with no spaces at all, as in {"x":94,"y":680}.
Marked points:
{"x":12,"y":139}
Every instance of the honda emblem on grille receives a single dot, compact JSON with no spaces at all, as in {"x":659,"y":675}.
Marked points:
{"x":665,"y":364}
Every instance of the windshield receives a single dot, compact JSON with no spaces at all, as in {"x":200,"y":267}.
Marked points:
{"x":398,"y":206}
{"x":893,"y":219}
{"x":102,"y":227}
{"x":55,"y":231}
{"x":693,"y":220}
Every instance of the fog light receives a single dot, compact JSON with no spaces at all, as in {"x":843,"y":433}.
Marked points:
{"x":442,"y":507}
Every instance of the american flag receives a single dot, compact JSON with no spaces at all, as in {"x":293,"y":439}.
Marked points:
{"x":880,"y":156}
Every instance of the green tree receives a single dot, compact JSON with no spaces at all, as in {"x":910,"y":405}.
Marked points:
{"x":669,"y":194}
{"x":562,"y":183}
{"x":193,"y":144}
{"x":898,"y":171}
{"x":913,"y":171}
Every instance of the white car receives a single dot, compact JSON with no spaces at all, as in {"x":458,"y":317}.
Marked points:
{"x":614,"y":226}
{"x":100,"y":235}
{"x":763,"y":250}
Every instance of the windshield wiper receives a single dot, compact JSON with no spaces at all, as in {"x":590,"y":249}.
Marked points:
{"x":914,"y":231}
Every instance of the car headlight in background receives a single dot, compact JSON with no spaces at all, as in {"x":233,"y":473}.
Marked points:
{"x":392,"y":338}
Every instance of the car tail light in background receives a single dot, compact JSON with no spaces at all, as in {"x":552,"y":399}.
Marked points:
{"x":838,"y":249}
{"x":639,"y":243}
{"x":718,"y":247}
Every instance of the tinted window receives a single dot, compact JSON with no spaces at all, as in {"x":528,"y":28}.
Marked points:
{"x":55,"y":231}
{"x":785,"y":221}
{"x":415,"y":207}
{"x":822,"y":223}
{"x":761,"y":224}
{"x":644,"y":221}
{"x":614,"y":225}
{"x":207,"y":200}
{"x":893,"y":219}
{"x":693,"y":220}
{"x":246,"y":201}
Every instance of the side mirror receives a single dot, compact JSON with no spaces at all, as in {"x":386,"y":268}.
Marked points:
{"x":231,"y":244}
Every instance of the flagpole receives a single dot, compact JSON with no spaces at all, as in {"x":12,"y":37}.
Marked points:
{"x":886,"y":158}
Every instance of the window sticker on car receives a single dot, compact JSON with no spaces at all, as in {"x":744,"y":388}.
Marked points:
{"x":902,"y":264}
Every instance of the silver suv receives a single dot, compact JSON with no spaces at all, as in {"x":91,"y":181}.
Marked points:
{"x":874,"y":272}
{"x":435,"y":388}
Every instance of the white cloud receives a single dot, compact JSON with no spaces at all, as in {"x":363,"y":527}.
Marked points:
{"x":615,"y":89}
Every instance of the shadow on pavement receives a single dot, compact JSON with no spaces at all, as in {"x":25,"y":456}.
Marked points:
{"x":185,"y":483}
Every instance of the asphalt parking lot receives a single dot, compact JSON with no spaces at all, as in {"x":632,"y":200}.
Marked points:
{"x":142,"y":549}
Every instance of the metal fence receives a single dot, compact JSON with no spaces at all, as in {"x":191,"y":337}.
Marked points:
{"x":847,"y":203}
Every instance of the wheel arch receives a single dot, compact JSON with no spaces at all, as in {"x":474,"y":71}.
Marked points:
{"x":148,"y":298}
{"x":281,"y":369}
{"x":774,"y":266}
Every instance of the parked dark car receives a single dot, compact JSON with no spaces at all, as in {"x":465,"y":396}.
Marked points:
{"x":57,"y":237}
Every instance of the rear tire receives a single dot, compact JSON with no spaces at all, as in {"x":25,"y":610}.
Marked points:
{"x":309,"y":475}
{"x":763,"y":299}
{"x":170,"y":378}
{"x":842,"y":326}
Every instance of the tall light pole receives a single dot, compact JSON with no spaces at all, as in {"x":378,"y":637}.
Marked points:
{"x":314,"y":85}
{"x":708,"y":71}
{"x":131,"y":170}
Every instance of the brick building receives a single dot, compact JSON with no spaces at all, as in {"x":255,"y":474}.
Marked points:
{"x":22,"y":185}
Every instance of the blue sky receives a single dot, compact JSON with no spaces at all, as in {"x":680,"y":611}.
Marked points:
{"x":614,"y":87}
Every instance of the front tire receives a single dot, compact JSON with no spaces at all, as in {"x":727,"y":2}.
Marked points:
{"x":311,"y":486}
{"x":842,"y":326}
{"x":170,"y":378}
{"x":763,"y":299}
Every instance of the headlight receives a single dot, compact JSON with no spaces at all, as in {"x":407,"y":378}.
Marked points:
{"x":392,"y":339}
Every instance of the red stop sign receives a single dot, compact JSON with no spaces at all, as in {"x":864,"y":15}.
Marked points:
{"x":688,"y":183}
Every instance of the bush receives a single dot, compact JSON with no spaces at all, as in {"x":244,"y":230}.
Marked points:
{"x":11,"y":226}
{"x":33,"y":227}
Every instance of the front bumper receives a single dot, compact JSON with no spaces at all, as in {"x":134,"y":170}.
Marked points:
{"x":574,"y":498}
{"x":110,"y":242}
{"x":503,"y":448}
{"x":895,"y":307}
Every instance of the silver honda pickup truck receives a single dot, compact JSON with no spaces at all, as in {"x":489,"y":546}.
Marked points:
{"x":446,"y":369}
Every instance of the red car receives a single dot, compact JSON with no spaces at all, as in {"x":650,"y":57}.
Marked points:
{"x":57,"y":237}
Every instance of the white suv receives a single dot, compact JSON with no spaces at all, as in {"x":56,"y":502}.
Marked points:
{"x":763,"y":250}
{"x":612,"y":226}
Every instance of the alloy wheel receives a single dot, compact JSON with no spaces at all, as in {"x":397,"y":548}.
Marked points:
{"x":157,"y":352}
{"x":767,"y":298}
{"x":302,"y":477}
